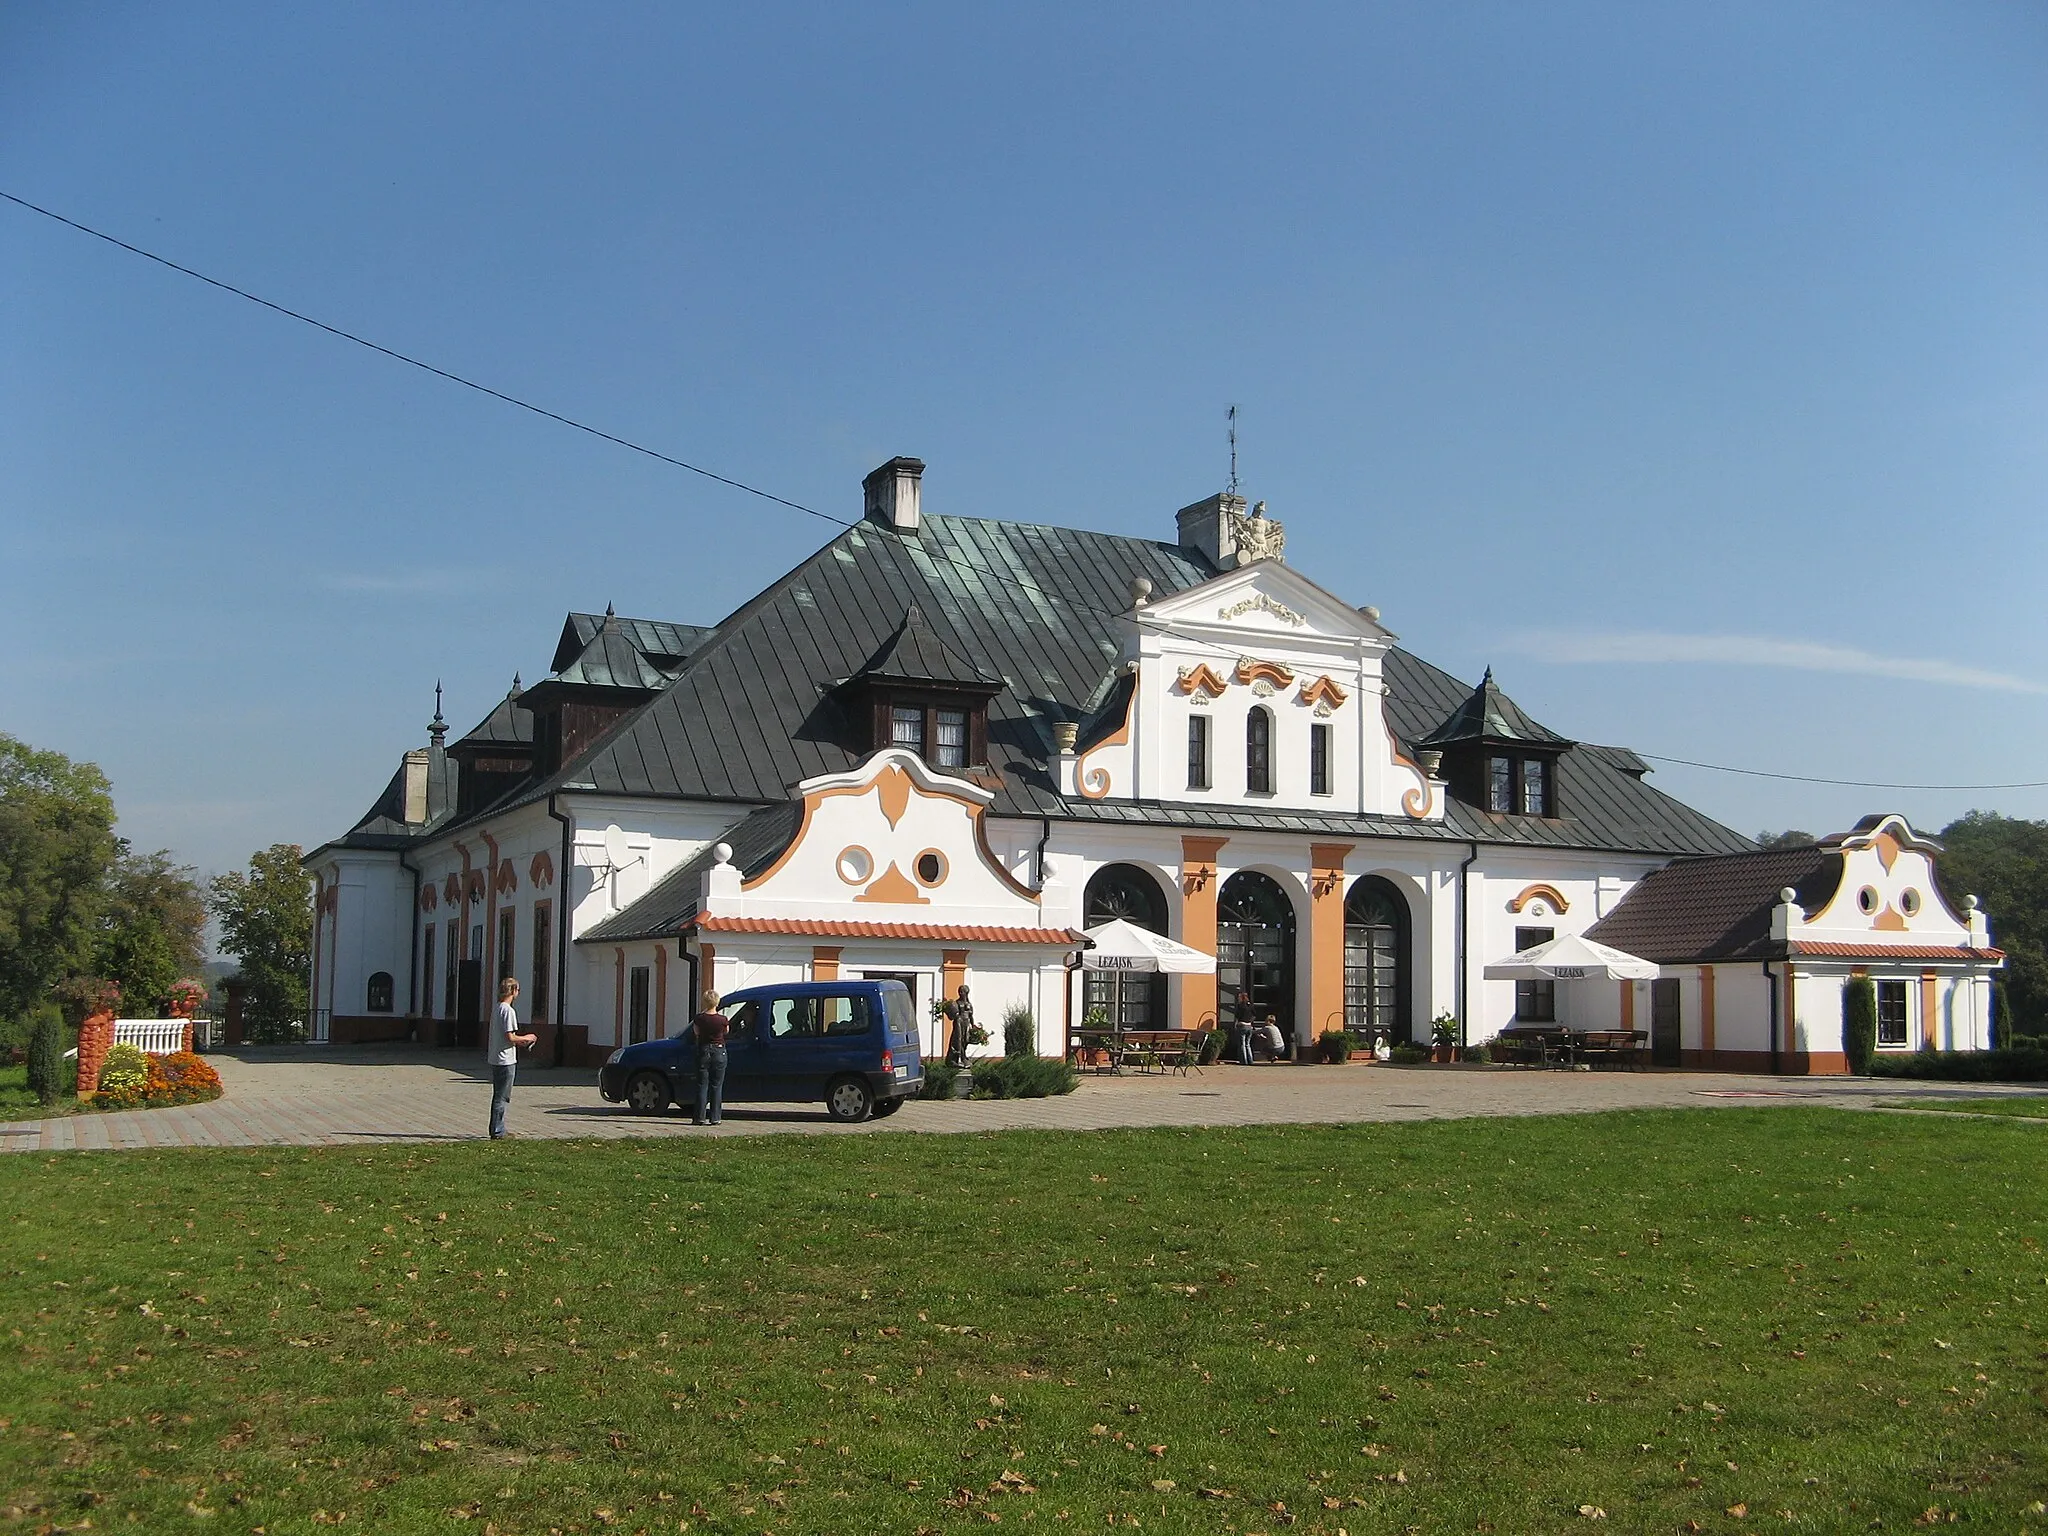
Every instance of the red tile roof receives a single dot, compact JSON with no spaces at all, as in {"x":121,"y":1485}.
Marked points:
{"x":830,"y":928}
{"x":1875,"y":951}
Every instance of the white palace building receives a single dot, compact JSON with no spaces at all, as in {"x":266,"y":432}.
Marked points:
{"x":941,"y":747}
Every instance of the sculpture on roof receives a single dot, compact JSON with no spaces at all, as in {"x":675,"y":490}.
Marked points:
{"x":1258,"y":537}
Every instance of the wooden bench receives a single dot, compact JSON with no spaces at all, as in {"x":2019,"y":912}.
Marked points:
{"x":1620,"y":1047}
{"x":1172,"y":1050}
{"x":1531,"y":1045}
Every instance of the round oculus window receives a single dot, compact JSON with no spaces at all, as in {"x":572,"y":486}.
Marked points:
{"x":855,"y":865}
{"x":1867,"y":900}
{"x":1909,"y":902}
{"x":931,"y":867}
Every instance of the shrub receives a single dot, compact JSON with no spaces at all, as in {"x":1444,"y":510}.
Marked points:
{"x":1478,"y":1053}
{"x":2005,"y":1066}
{"x":939,"y":1074}
{"x":1334,"y":1045}
{"x":1023,"y":1077}
{"x":46,"y":1054}
{"x":1408,"y":1055}
{"x":1211,"y":1047}
{"x":1859,"y":1023}
{"x":1020,"y":1031}
{"x":125,"y":1067}
{"x":1443,"y":1029}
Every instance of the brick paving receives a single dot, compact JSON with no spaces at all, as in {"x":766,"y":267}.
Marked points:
{"x":308,"y":1097}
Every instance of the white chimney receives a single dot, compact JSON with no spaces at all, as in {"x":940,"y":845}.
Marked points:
{"x":416,"y":786}
{"x":891,"y":494}
{"x":1206,"y":526}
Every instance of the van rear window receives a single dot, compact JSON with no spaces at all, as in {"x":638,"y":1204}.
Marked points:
{"x":897,"y":1000}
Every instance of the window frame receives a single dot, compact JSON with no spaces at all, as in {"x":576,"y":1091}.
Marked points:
{"x":1198,"y":750}
{"x":387,"y":984}
{"x":1258,"y":750}
{"x":1500,"y":784}
{"x":428,"y":955}
{"x":1321,"y":749}
{"x":1541,"y":784}
{"x":1904,"y":994}
{"x":639,"y":1003}
{"x":543,"y":957}
{"x":507,"y":953}
{"x":1540,"y":997}
{"x":928,"y":707}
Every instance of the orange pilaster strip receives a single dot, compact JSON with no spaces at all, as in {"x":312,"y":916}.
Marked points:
{"x":1707,"y":1014}
{"x":1198,"y":925}
{"x":1930,"y":1011}
{"x":1628,"y":1004}
{"x":1326,"y":936}
{"x":661,"y":991}
{"x":825,"y":961}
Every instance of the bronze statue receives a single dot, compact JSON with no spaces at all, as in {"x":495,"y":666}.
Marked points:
{"x":960,"y":1012}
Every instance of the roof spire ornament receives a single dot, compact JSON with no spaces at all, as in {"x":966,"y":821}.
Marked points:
{"x":437,"y":728}
{"x":1231,"y":417}
{"x":516,"y":688}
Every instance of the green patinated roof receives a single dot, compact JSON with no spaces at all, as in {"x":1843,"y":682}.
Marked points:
{"x":1490,"y":715}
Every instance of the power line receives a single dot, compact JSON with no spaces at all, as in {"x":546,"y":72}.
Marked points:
{"x":1803,"y":778}
{"x":1008,"y":577}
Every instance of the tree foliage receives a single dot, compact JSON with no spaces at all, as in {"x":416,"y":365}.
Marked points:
{"x":151,"y":929}
{"x":2003,"y":862}
{"x":1791,"y":838}
{"x":266,"y":923}
{"x":1859,"y":1022}
{"x":56,"y":846}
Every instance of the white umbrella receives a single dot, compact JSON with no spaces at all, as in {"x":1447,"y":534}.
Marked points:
{"x":1122,"y":946}
{"x":1572,"y":958}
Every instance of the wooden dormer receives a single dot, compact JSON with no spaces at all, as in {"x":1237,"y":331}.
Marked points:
{"x":1496,"y":757}
{"x":916,"y":693}
{"x":607,"y":679}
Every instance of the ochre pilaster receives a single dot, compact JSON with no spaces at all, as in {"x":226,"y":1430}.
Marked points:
{"x":1198,"y":925}
{"x":1326,"y":936}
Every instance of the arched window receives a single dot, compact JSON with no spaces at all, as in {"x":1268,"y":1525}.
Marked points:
{"x":1376,"y":960}
{"x":1258,"y":751}
{"x":1125,"y":891}
{"x":1255,"y":949}
{"x":379,"y":1000}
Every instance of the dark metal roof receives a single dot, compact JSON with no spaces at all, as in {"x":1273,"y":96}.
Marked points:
{"x":384,"y":825}
{"x":671,"y":901}
{"x":610,"y":659}
{"x":755,"y":708}
{"x":1487,"y":714}
{"x":1718,"y":908}
{"x":663,"y":643}
{"x":915,"y":655}
{"x":510,"y":723}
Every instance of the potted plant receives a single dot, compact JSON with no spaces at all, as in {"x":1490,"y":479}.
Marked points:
{"x":1333,"y":1047}
{"x":1443,"y":1037}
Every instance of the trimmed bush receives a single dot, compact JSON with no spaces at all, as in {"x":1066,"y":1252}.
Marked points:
{"x":1859,"y":1023}
{"x":1478,"y":1053}
{"x":2013,"y":1066}
{"x":1210,"y":1049}
{"x":1023,"y":1077}
{"x":1020,"y":1031}
{"x":1409,"y":1055}
{"x":46,"y":1054}
{"x":939,"y":1074}
{"x":1334,"y":1046}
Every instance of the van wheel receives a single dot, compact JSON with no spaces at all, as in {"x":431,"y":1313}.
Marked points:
{"x":647,"y":1093}
{"x":885,"y":1107}
{"x":849,"y":1100}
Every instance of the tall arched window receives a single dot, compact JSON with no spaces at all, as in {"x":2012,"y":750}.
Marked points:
{"x":1125,"y":891}
{"x":1258,"y":751}
{"x":1255,"y":948}
{"x":380,"y":989}
{"x":1376,"y":929}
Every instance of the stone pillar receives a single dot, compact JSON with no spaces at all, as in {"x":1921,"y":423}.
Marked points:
{"x":95,"y":1039}
{"x":1326,"y":938}
{"x":1198,"y":925}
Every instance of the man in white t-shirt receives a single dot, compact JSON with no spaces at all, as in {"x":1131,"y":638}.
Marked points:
{"x":506,"y":1044}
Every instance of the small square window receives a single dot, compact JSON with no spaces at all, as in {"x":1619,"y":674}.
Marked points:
{"x":1535,"y":786}
{"x":951,"y":734}
{"x":1500,"y":785}
{"x":906,"y":727}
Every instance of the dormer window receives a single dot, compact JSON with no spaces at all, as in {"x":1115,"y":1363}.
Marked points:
{"x":906,"y":727}
{"x":941,"y":736}
{"x":1496,"y":757}
{"x":1518,"y":786}
{"x":918,"y":695}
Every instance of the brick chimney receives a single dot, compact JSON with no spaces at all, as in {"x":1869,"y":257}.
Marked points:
{"x":891,"y":495}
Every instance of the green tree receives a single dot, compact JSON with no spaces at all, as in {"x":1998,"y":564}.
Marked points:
{"x":1787,"y":839}
{"x":2003,"y":862}
{"x":1859,"y":1022}
{"x":56,"y":845}
{"x":151,"y":928}
{"x":266,"y":923}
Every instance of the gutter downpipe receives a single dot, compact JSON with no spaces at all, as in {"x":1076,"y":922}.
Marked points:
{"x":1044,"y":837}
{"x":683,"y":954}
{"x":562,"y":932}
{"x":1771,"y":977}
{"x":1464,"y":928}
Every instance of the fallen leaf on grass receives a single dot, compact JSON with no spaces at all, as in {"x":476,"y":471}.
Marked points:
{"x":1737,"y":1511}
{"x":1162,"y":1484}
{"x":1592,"y":1512}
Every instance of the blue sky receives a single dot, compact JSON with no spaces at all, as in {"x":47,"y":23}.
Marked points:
{"x":1686,"y":363}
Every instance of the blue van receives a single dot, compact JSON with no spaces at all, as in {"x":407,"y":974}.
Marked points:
{"x":852,"y":1044}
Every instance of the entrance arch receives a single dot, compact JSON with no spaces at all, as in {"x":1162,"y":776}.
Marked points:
{"x":1125,"y":891}
{"x":1255,"y":947}
{"x":1377,"y":945}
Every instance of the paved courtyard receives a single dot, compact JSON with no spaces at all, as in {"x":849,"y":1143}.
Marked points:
{"x":345,"y":1097}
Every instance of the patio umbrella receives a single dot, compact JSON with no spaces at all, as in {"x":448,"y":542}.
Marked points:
{"x":1121,"y":946}
{"x":1572,"y":958}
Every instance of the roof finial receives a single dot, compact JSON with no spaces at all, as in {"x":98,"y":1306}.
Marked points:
{"x":437,"y":727}
{"x":516,"y":689}
{"x":1488,"y":678}
{"x":1231,"y":417}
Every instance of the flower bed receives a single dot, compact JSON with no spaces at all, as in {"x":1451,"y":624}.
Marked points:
{"x":154,"y":1082}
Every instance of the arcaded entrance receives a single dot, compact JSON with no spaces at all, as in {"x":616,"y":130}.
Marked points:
{"x":1125,"y":891}
{"x":1255,"y":948}
{"x":1376,"y":949}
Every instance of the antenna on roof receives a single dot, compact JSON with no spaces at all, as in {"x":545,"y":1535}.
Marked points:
{"x":1231,"y":417}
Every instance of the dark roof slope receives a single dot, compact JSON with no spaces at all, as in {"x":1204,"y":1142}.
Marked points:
{"x":663,"y":643}
{"x":915,"y":655}
{"x":1717,"y":909}
{"x":610,"y":659}
{"x":672,"y":900}
{"x":510,"y":723}
{"x":1487,"y":714}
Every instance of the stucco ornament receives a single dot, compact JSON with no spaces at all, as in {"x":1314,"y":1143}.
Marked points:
{"x":1258,"y":537}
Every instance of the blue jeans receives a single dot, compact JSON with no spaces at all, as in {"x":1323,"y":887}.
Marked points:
{"x":501,"y":1096}
{"x":710,"y":1084}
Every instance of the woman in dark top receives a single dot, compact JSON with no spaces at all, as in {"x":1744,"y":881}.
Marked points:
{"x":712,"y":1027}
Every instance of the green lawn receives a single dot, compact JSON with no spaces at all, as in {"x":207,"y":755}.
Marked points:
{"x":1726,"y":1317}
{"x":2027,"y":1106}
